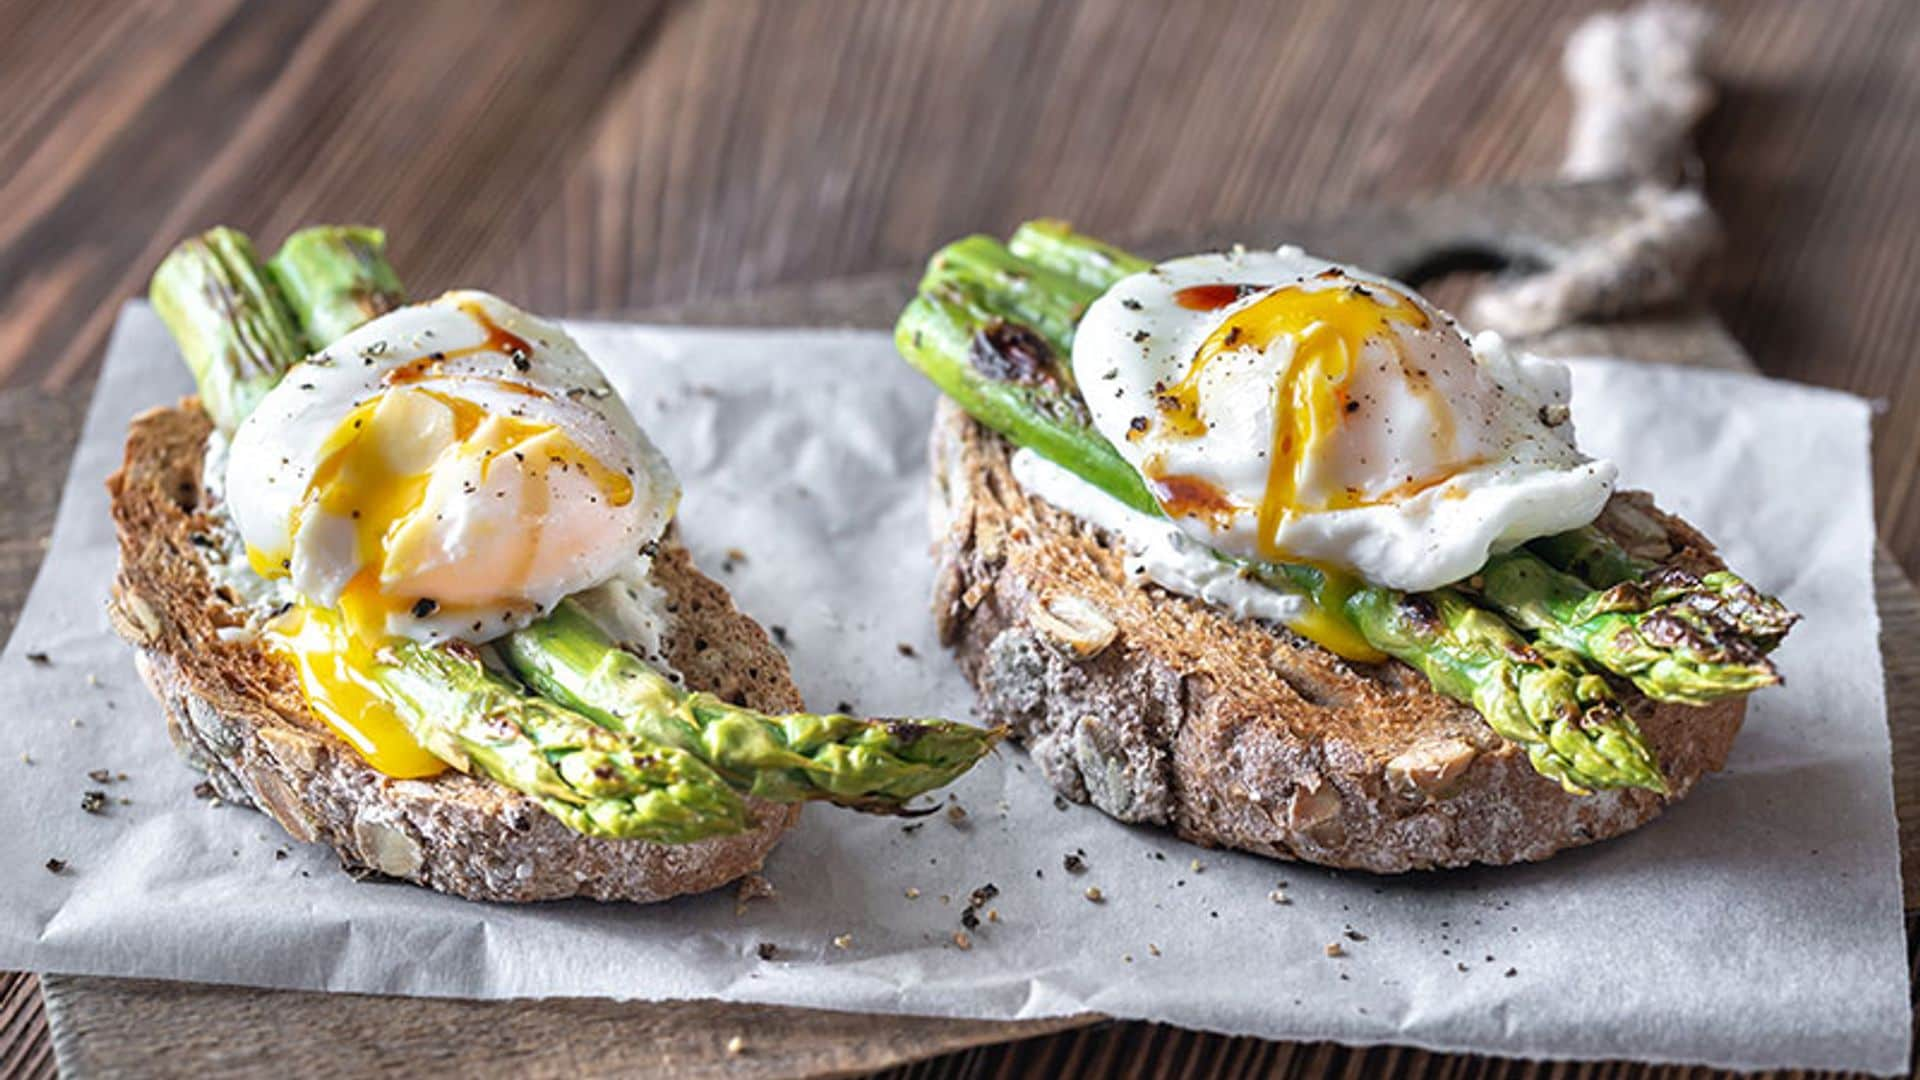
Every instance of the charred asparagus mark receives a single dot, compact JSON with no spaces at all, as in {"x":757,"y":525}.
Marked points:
{"x":1009,"y":352}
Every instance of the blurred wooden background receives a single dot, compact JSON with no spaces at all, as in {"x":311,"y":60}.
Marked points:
{"x":593,"y":157}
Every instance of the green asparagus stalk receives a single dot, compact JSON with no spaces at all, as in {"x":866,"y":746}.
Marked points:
{"x":1048,"y":302}
{"x":1719,"y":607}
{"x":1546,"y":700}
{"x":1539,"y":697}
{"x":1668,"y":655}
{"x":1717,"y":603}
{"x":1590,"y":555}
{"x":864,"y":764}
{"x":1053,"y":244}
{"x":336,"y":277}
{"x":1006,"y":377}
{"x":229,"y":319}
{"x":592,"y":779}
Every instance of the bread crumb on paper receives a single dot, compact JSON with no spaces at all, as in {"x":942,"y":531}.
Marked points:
{"x":753,"y":887}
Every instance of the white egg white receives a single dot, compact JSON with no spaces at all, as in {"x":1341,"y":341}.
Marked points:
{"x":1444,"y":450}
{"x":495,"y":539}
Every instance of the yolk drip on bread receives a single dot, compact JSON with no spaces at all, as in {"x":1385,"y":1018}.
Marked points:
{"x":332,"y":661}
{"x":1325,"y":627}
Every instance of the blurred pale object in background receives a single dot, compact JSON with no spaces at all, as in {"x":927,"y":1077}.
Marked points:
{"x":1638,"y":89}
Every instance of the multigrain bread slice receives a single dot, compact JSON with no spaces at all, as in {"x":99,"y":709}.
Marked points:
{"x":1161,"y":710}
{"x":237,"y":713}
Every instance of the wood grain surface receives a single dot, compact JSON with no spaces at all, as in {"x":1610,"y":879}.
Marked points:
{"x":589,"y":157}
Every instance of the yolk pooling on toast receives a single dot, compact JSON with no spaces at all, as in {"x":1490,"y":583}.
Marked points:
{"x":331,"y":661}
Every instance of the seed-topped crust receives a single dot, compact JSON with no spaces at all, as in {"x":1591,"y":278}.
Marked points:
{"x":236,"y":713}
{"x":1240,"y":733}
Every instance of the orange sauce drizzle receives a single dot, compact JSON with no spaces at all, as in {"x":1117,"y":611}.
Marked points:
{"x":1213,"y":297}
{"x":1191,"y":496}
{"x":497,"y":339}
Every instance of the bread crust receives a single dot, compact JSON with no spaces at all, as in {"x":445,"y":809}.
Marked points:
{"x":237,"y":713}
{"x":1161,"y":710}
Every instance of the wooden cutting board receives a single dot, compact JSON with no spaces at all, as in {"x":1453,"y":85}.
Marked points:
{"x":112,"y":1026}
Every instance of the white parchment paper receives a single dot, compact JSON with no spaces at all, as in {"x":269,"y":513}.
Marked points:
{"x":1757,"y":924}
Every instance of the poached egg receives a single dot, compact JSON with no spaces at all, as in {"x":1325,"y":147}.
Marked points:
{"x":451,"y":470}
{"x":1281,"y":407}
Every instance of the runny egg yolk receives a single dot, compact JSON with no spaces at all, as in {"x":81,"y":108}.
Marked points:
{"x":1322,"y":624}
{"x":332,"y":662}
{"x":374,"y":472}
{"x":1328,"y":326}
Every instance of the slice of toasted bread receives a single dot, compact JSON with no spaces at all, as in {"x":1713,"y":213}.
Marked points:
{"x":237,"y":713}
{"x":1161,"y":710}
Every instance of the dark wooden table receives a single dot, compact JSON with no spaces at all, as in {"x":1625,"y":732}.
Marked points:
{"x":600,"y":157}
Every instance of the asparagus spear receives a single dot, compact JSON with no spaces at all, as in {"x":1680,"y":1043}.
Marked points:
{"x":1720,"y":602}
{"x":1668,"y":655}
{"x":1545,"y":699}
{"x":336,"y":277}
{"x":1589,"y":554}
{"x":1048,"y":302}
{"x":1540,"y":697}
{"x":1053,"y":244}
{"x":865,"y":764}
{"x":229,"y":319}
{"x":871,"y":765}
{"x":1005,"y":376}
{"x":592,"y":779}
